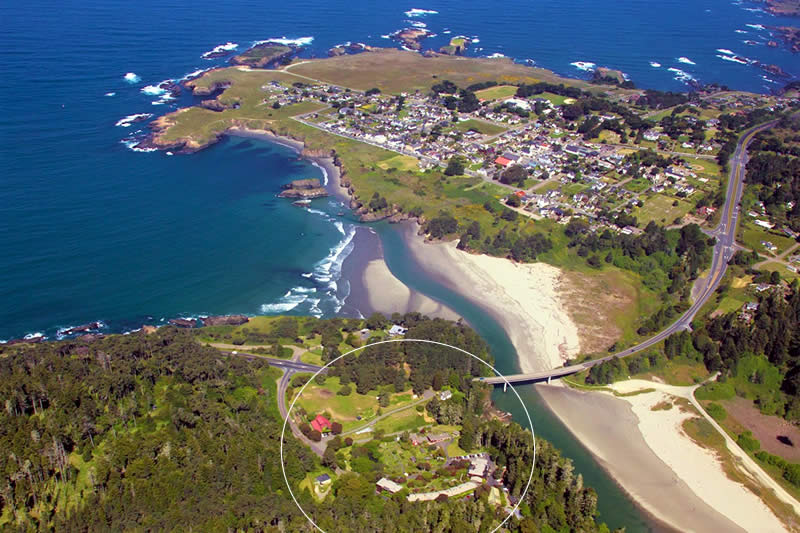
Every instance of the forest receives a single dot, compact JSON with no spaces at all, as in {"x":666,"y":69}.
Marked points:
{"x":156,"y":431}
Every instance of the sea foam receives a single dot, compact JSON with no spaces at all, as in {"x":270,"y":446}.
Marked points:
{"x":756,"y":26}
{"x":128,"y":121}
{"x":131,"y":77}
{"x":681,"y":75}
{"x":420,"y":12}
{"x":725,"y":51}
{"x":585,"y":66}
{"x":655,"y":65}
{"x":227,"y":47}
{"x":300,"y":41}
{"x":686,"y":60}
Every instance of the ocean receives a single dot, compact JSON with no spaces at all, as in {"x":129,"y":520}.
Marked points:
{"x":95,"y":231}
{"x":91,"y":230}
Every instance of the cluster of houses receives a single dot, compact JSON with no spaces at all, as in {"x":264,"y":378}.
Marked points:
{"x":423,"y":127}
{"x":481,"y":470}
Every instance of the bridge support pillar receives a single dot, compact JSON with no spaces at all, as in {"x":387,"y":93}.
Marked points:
{"x":504,"y":386}
{"x":548,"y":379}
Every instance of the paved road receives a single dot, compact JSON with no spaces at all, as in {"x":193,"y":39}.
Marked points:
{"x":725,"y":247}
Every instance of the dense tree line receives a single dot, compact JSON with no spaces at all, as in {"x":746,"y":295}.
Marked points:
{"x":428,"y":365}
{"x":141,"y":432}
{"x":158,"y":432}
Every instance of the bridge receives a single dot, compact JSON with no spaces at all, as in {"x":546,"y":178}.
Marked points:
{"x":724,"y":248}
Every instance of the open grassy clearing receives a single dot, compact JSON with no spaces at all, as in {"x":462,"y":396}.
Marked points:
{"x":400,"y":162}
{"x":497,"y":93}
{"x":316,"y":399}
{"x":394,"y":71}
{"x":485,"y":128}
{"x":661,"y":209}
{"x":751,"y":236}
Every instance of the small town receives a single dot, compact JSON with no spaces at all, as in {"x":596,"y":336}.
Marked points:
{"x":530,"y":152}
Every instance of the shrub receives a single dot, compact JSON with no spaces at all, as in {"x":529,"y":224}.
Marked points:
{"x":748,"y":443}
{"x":716,"y":411}
{"x":715,"y":391}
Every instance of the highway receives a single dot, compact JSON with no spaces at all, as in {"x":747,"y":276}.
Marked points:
{"x":725,"y":247}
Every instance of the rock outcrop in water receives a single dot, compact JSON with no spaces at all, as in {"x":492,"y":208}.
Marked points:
{"x":264,"y":55}
{"x":305,"y":189}
{"x":225,"y":320}
{"x":411,"y":38}
{"x":184,"y":322}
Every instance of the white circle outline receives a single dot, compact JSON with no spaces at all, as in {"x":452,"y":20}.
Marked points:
{"x":507,"y":384}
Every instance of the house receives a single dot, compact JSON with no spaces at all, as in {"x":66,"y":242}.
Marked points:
{"x":416,"y":439}
{"x":388,"y":485}
{"x":445,"y":395}
{"x":479,"y":467}
{"x":502,"y":161}
{"x":321,"y":424}
{"x":764,"y":224}
{"x":323,"y":480}
{"x":434,"y":438}
{"x":396,"y":330}
{"x":751,"y":306}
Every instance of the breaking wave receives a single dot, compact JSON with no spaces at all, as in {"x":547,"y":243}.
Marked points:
{"x":128,"y":121}
{"x":131,"y":77}
{"x":227,"y":47}
{"x":300,"y":41}
{"x":686,"y":60}
{"x":414,"y":12}
{"x":585,"y":66}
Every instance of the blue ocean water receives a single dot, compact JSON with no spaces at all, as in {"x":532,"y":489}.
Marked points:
{"x":94,"y":231}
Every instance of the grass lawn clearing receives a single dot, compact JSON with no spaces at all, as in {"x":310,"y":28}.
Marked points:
{"x":497,"y":93}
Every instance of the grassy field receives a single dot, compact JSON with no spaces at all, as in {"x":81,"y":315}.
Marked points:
{"x":316,"y":399}
{"x":400,"y":162}
{"x":497,"y":93}
{"x":751,"y":236}
{"x":781,"y":269}
{"x":394,"y":71}
{"x":637,"y":185}
{"x":661,"y":209}
{"x":480,"y":126}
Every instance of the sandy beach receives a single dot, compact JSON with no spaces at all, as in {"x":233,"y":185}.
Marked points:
{"x":674,"y":479}
{"x":524,"y":298}
{"x":373,"y":287}
{"x":650,"y":455}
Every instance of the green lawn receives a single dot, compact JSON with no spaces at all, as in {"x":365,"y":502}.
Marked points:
{"x":406,"y":420}
{"x":637,"y":185}
{"x":400,"y":162}
{"x":554,"y":99}
{"x":480,"y":126}
{"x":496,"y":93}
{"x":316,"y":399}
{"x":751,"y":236}
{"x":661,"y":209}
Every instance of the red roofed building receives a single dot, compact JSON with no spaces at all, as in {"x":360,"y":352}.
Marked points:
{"x":520,"y":193}
{"x":321,"y":424}
{"x":502,"y":161}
